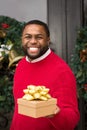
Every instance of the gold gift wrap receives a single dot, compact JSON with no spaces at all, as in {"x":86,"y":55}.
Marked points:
{"x":36,"y":108}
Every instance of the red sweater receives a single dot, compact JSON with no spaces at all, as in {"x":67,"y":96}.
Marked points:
{"x":53,"y":73}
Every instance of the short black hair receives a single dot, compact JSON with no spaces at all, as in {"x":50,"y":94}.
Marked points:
{"x":38,"y":22}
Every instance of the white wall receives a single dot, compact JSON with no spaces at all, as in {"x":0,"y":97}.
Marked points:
{"x":24,"y":10}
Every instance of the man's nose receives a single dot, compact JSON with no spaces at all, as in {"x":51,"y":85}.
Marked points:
{"x":33,"y":40}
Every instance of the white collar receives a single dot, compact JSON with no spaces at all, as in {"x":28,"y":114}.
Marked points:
{"x":41,"y":57}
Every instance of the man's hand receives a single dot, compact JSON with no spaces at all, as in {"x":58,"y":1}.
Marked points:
{"x":57,"y":110}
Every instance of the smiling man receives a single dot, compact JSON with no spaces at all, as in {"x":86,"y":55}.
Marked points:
{"x":35,"y":41}
{"x":41,"y":66}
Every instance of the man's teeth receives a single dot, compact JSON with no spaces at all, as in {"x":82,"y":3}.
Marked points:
{"x":33,"y":49}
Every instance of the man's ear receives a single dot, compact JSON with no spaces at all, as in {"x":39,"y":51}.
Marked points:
{"x":48,"y":40}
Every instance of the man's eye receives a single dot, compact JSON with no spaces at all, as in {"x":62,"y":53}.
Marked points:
{"x":39,"y":37}
{"x":27,"y":37}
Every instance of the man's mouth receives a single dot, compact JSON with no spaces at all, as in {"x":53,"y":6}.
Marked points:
{"x":33,"y":49}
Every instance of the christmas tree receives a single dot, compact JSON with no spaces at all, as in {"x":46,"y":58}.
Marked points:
{"x":10,"y":54}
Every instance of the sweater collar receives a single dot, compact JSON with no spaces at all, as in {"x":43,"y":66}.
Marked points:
{"x":41,"y":57}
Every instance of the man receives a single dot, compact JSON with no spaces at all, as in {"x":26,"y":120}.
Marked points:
{"x":41,"y":66}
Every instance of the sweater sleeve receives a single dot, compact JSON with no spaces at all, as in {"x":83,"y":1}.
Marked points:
{"x":66,"y":93}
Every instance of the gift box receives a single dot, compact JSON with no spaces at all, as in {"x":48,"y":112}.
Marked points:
{"x":36,"y":108}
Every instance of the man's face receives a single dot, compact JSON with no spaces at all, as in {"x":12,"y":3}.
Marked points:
{"x":35,"y":41}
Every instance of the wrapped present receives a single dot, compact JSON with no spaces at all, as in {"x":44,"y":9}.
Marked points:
{"x":36,"y":102}
{"x":36,"y":108}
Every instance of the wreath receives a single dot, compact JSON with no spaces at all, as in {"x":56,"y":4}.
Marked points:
{"x":78,"y":62}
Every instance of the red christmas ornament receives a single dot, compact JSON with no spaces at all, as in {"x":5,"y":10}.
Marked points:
{"x":4,"y":25}
{"x":85,"y":87}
